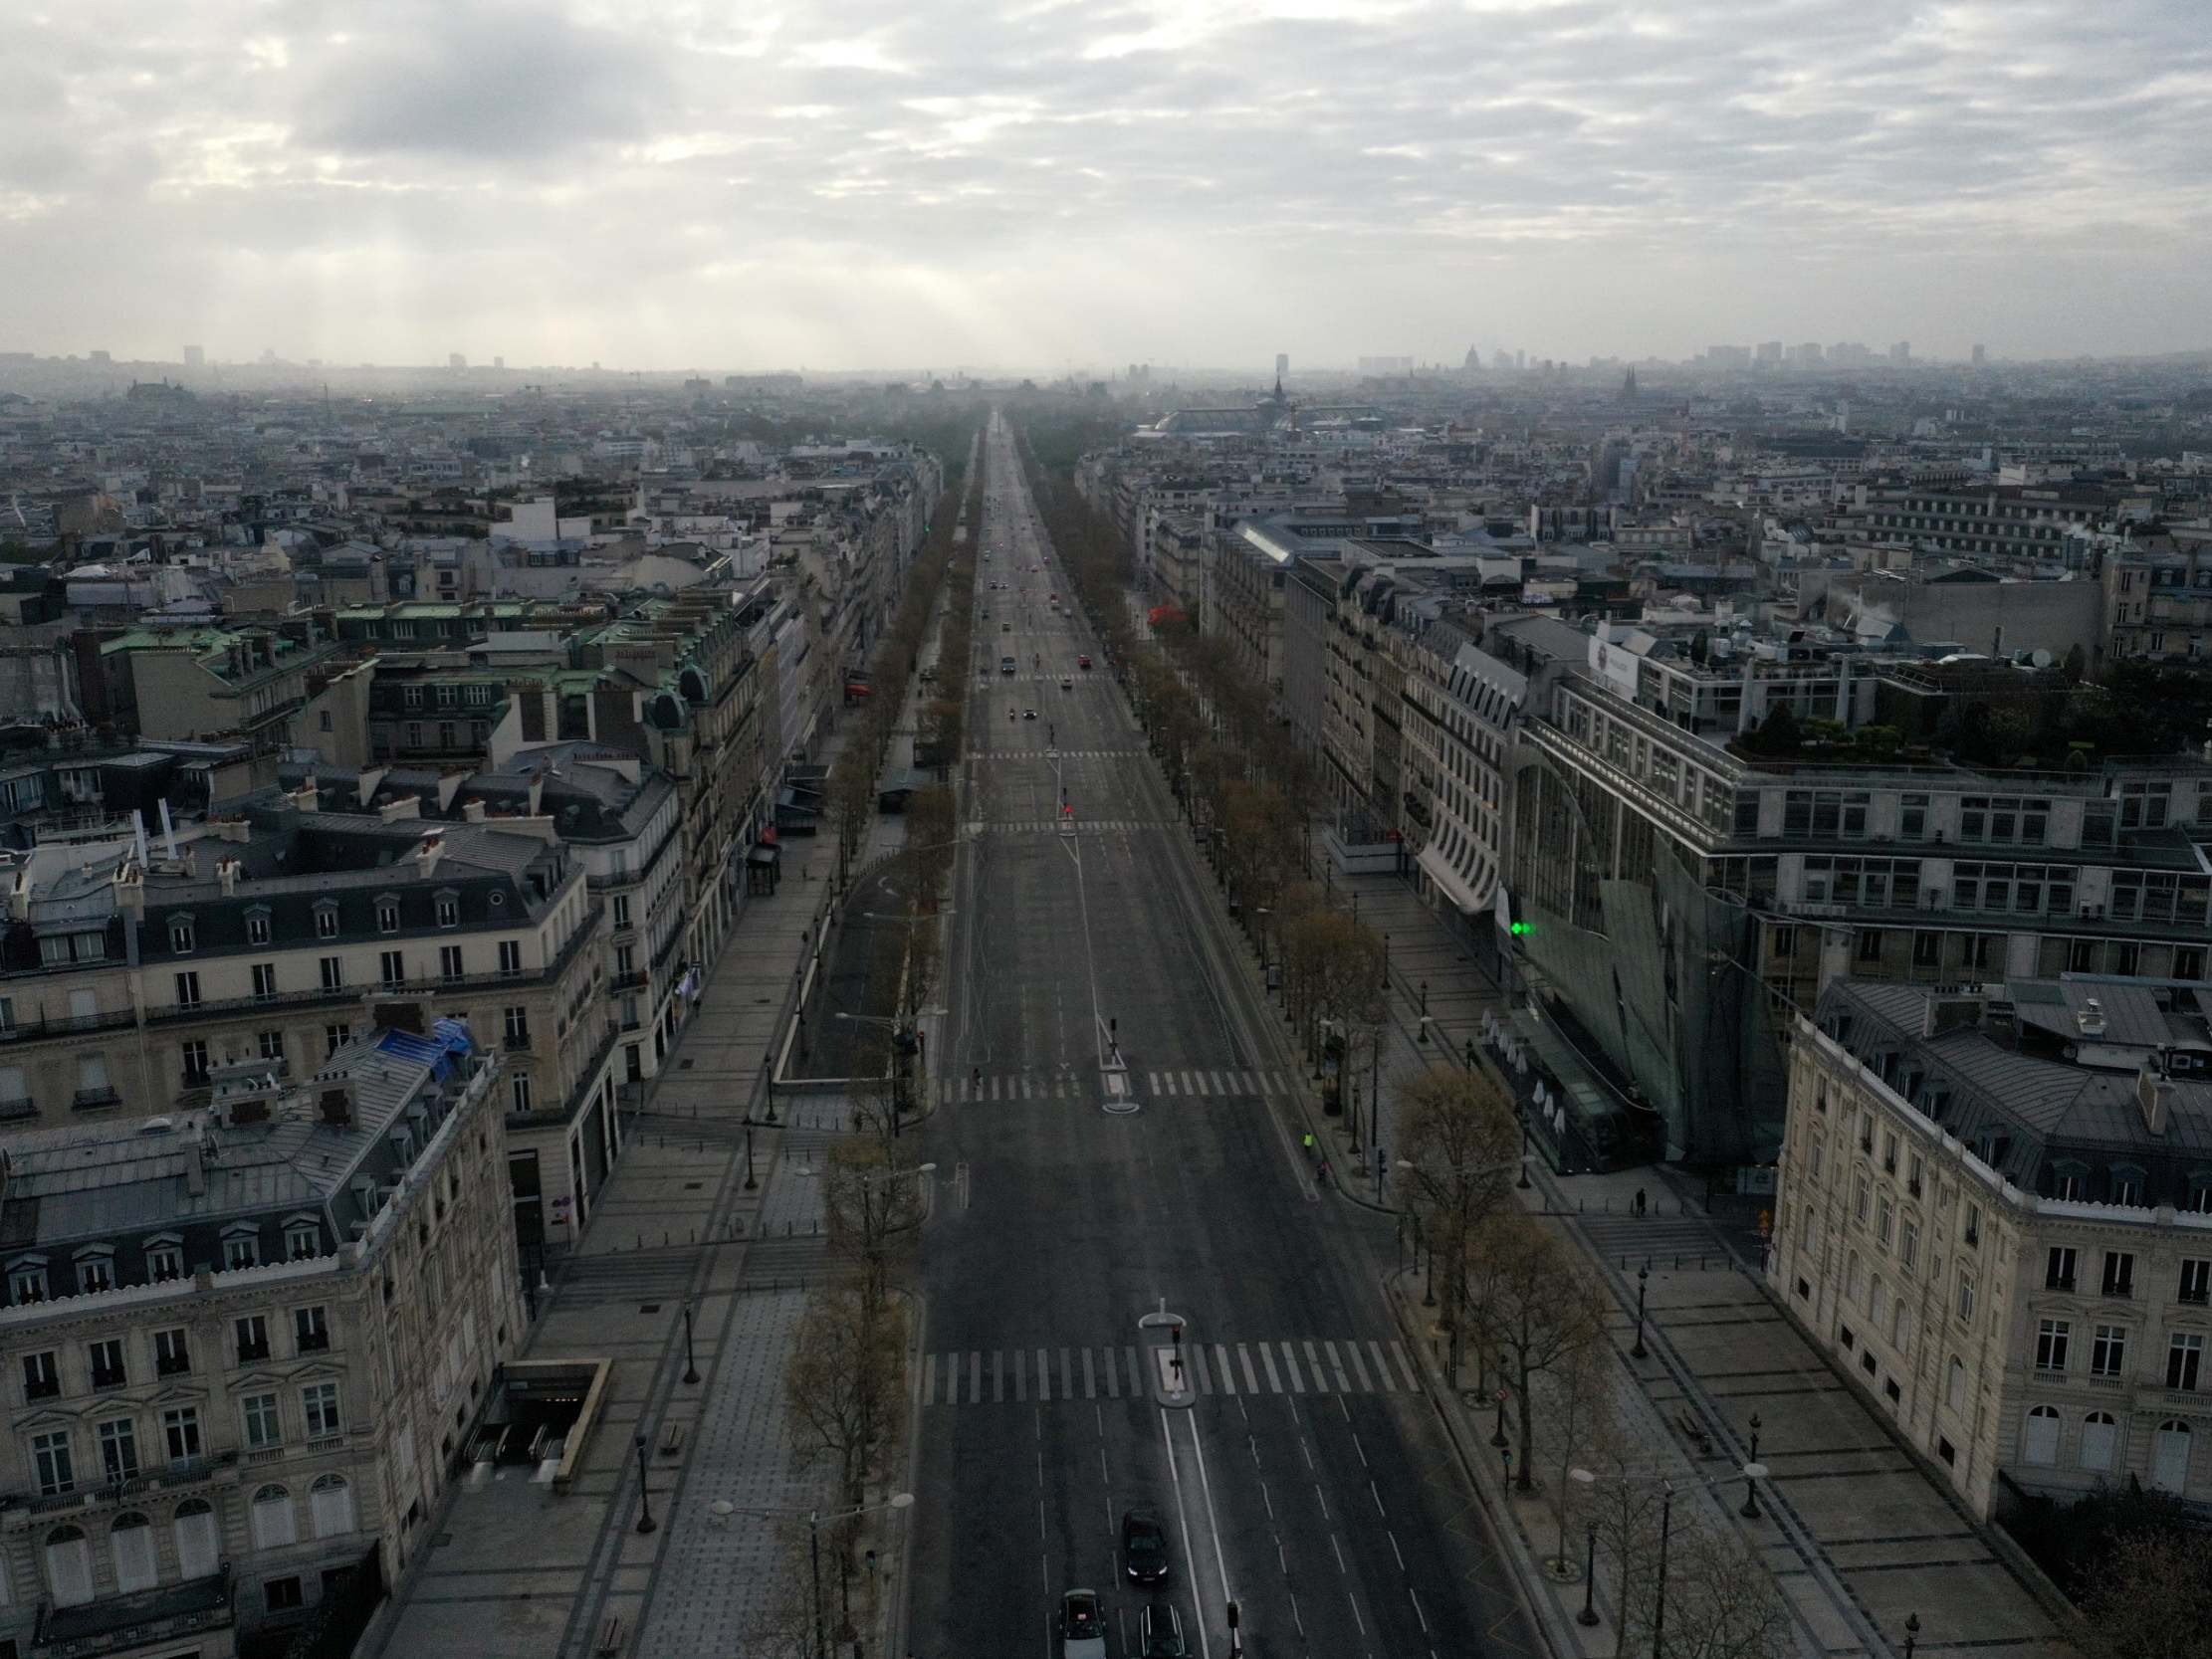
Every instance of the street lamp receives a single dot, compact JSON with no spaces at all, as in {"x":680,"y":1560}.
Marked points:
{"x":1498,"y":1437}
{"x":691,"y":1365}
{"x":1589,"y":1614}
{"x":1520,"y":1109}
{"x":645,"y":1521}
{"x":1752,"y":1474}
{"x":1425,"y":1010}
{"x":1642,"y":1274}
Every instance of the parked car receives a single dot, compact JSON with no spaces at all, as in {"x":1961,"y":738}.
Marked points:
{"x":1161,"y":1633}
{"x":1144,"y":1548}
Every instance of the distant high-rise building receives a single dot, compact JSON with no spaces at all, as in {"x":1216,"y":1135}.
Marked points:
{"x":1627,"y":384}
{"x":1807,"y":355}
{"x":1981,"y":356}
{"x":1770,"y":351}
{"x":194,"y":358}
{"x":499,"y":362}
{"x":100,"y":356}
{"x":455,"y":360}
{"x":1474,"y":360}
{"x":1901,"y":352}
{"x":1282,"y":365}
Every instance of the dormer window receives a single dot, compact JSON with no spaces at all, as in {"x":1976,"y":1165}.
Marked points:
{"x":95,"y":1269}
{"x":2127,"y":1186}
{"x":325,"y":919}
{"x":2070,"y":1181}
{"x":302,"y":1241}
{"x":242,"y":1248}
{"x":180,"y":934}
{"x":164,"y":1258}
{"x":387,"y":915}
{"x":257,"y":925}
{"x":449,"y":910}
{"x":27,"y":1281}
{"x":2200,"y":1194}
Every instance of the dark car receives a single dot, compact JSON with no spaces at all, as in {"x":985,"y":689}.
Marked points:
{"x":1083,"y":660}
{"x":1144,"y":1548}
{"x":1162,"y":1633}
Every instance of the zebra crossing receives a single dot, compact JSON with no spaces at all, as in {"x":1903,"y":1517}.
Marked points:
{"x":1304,"y":1365}
{"x":1065,"y":754}
{"x":1065,"y":1086}
{"x":1083,"y":826}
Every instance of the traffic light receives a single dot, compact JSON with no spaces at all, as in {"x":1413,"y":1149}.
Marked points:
{"x":1520,"y":930}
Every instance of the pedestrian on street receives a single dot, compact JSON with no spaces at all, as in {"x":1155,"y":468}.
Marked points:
{"x":1640,"y":1200}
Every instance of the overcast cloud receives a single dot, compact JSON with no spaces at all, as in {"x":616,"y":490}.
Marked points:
{"x":657,"y":183}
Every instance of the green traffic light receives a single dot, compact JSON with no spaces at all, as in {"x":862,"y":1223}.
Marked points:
{"x":1517,"y":928}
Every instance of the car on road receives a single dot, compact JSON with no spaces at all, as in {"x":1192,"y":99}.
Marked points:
{"x":1005,"y":664}
{"x":1084,"y":660}
{"x":1028,"y":714}
{"x":1161,"y":1633}
{"x":1083,"y":1627}
{"x":1003,"y":627}
{"x":1066,"y":684}
{"x":1144,"y":1548}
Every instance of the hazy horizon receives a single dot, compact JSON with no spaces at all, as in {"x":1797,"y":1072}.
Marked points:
{"x":670,"y":187}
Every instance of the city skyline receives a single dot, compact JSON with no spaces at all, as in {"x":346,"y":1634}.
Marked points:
{"x":1048,"y":186}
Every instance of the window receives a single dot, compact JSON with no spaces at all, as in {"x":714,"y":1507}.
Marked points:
{"x":51,"y":1456}
{"x":318,"y":1405}
{"x":241,"y":1250}
{"x":518,"y":1091}
{"x":1909,"y":1244}
{"x":1966,"y":1298}
{"x":335,"y":1037}
{"x":273,"y":1525}
{"x":2185,"y":1353}
{"x":270,"y":1045}
{"x":282,"y":1595}
{"x":1954,"y":1384}
{"x":1885,"y":1220}
{"x":107,"y":1363}
{"x":325,"y":920}
{"x":1815,"y":1158}
{"x":1926,"y":949}
{"x":2197,"y":1280}
{"x":41,"y":1380}
{"x":193,"y":1056}
{"x":69,"y":1565}
{"x":2099,"y":1437}
{"x":1853,"y":1279}
{"x":449,"y":911}
{"x":621,"y":909}
{"x":262,"y":1430}
{"x":118,"y":1450}
{"x":188,"y":990}
{"x":26,"y":1284}
{"x":516,"y":1027}
{"x":257,"y":928}
{"x":2058,"y":1268}
{"x":2040,"y":1444}
{"x":1860,"y":1197}
{"x":1870,"y":944}
{"x":2051,"y":1339}
{"x":180,"y":1431}
{"x":387,"y":915}
{"x":625,"y":960}
{"x":252,"y":1334}
{"x":509,"y":957}
{"x":449,"y":962}
{"x":180,"y":936}
{"x":310,"y":1329}
{"x":1914,"y":1168}
{"x":302,"y":1241}
{"x":2069,"y":1184}
{"x":330,"y":1506}
{"x":95,"y":1272}
{"x":172,"y":1353}
{"x":2119,"y":1273}
{"x":333,"y":972}
{"x":1973,"y":1235}
{"x":392,"y":967}
{"x":2108,"y":1353}
{"x":1888,"y":1152}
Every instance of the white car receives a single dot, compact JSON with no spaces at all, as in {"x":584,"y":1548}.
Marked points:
{"x":1083,"y":1627}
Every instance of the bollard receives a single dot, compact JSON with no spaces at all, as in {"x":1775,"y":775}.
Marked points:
{"x":640,"y":1242}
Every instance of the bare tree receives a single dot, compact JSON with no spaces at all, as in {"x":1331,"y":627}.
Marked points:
{"x":2151,"y":1598}
{"x":844,"y":1382}
{"x":1537,"y":1307}
{"x":1626,"y":1504}
{"x":1458,"y":1136}
{"x":1580,"y":1421}
{"x":1722,"y":1601}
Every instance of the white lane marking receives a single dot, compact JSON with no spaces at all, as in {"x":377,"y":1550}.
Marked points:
{"x":1321,"y":1497}
{"x":1339,"y":1549}
{"x":1418,"y":1613}
{"x":1378,"y":1497}
{"x":1190,"y":1562}
{"x":1362,"y":1450}
{"x":1394,"y":1550}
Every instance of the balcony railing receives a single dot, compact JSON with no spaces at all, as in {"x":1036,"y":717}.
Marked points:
{"x":67,"y":1025}
{"x":84,"y":1100}
{"x":122,"y":1623}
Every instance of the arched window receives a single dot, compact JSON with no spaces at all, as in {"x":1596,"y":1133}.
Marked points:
{"x":2099,"y":1440}
{"x":131,"y":1539}
{"x":199,"y":1550}
{"x":275,"y":1523}
{"x":69,"y":1566}
{"x":1954,"y":1384}
{"x":330,"y":1505}
{"x":2040,"y":1444}
{"x":2169,"y":1455}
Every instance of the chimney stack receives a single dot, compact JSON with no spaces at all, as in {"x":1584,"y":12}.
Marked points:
{"x":226,"y":871}
{"x":2154,"y":1094}
{"x":472,"y":811}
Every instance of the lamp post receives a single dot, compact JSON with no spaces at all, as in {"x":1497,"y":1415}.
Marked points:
{"x":1751,"y":1473}
{"x":750,"y":1184}
{"x":1520,"y":1110}
{"x":1497,"y":1436}
{"x":1425,"y":1010}
{"x":1659,"y":1606}
{"x":814,"y":1520}
{"x":1385,"y":960}
{"x":645,"y":1521}
{"x":1642,"y":1274}
{"x":1589,"y":1614}
{"x":691,"y":1364}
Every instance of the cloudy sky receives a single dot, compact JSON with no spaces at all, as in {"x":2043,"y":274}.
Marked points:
{"x":908,"y":183}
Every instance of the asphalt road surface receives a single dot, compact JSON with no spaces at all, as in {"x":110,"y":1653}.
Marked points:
{"x":1307,"y":1477}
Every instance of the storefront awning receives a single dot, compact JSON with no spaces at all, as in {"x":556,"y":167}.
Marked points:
{"x":1455,"y":886}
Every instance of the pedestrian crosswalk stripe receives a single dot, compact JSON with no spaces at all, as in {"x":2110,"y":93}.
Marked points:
{"x":1358,"y":1368}
{"x":1136,"y":1379}
{"x":1406,"y":1366}
{"x":1220,"y":1366}
{"x":1113,"y":1376}
{"x":1336,"y":1367}
{"x":1268,"y":1358}
{"x":1290,"y":1368}
{"x":1252,"y":1382}
{"x":1201,"y":1088}
{"x":1090,"y":1384}
{"x":1313,"y":1368}
{"x":929,"y":1381}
